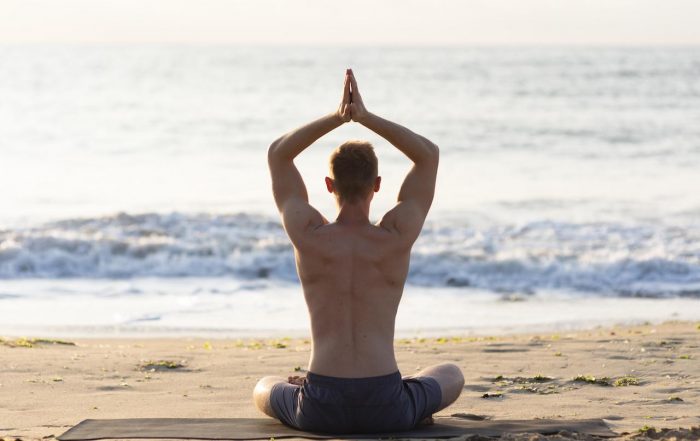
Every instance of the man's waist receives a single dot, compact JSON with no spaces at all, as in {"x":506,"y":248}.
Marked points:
{"x":314,"y":378}
{"x":341,"y":365}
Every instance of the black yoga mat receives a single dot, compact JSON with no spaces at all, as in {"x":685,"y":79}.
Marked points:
{"x":266,"y":428}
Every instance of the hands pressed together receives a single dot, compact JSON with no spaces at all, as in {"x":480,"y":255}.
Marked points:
{"x":351,"y":107}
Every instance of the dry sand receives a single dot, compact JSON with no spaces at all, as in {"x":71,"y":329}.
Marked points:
{"x":47,"y":388}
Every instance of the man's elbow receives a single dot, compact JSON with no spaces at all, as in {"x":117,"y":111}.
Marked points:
{"x":433,"y":150}
{"x":273,"y":151}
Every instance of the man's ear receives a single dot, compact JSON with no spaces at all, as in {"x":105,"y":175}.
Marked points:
{"x":329,"y":185}
{"x":377,"y":183}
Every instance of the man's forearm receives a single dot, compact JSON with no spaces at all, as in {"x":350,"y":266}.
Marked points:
{"x":416,"y":147}
{"x":288,"y":146}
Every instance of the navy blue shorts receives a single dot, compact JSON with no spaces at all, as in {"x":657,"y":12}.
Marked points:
{"x":356,"y":405}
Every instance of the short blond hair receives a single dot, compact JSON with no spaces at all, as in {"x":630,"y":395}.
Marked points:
{"x":353,"y":167}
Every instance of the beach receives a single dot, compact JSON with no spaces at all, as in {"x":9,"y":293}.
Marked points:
{"x":559,"y":266}
{"x":633,"y":377}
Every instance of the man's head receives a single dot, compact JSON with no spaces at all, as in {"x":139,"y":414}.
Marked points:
{"x":353,"y":168}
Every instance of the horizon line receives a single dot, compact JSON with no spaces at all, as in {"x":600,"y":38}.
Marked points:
{"x":358,"y":45}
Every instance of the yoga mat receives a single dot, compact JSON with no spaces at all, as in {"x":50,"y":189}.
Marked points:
{"x":266,"y":428}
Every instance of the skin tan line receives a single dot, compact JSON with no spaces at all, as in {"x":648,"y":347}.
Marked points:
{"x":352,"y":271}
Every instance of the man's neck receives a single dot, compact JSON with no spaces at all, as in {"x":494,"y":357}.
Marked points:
{"x":353,"y":214}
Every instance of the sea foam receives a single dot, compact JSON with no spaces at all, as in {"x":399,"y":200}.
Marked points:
{"x":639,"y":259}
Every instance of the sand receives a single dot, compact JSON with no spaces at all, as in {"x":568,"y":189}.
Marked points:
{"x":48,"y":387}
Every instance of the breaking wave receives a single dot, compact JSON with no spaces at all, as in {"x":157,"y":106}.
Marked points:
{"x":605,"y":258}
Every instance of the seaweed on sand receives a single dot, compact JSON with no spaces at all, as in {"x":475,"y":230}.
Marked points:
{"x":159,"y":365}
{"x":32,"y":342}
{"x":539,"y":378}
{"x":533,"y":384}
{"x":601,"y":381}
{"x":626,"y":381}
{"x":646,"y":429}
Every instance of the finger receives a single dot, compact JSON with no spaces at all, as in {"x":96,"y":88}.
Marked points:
{"x":346,"y":90}
{"x":353,"y":83}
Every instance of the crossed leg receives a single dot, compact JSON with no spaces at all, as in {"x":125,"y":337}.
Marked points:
{"x":261,"y":394}
{"x":450,"y":379}
{"x":447,"y":375}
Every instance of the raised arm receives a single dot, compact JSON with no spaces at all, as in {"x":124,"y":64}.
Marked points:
{"x":287,"y":184}
{"x":418,"y":188}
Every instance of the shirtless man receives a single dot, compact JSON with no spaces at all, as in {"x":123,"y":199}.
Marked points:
{"x":353,"y":274}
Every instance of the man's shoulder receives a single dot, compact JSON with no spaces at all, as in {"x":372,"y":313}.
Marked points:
{"x":404,"y":221}
{"x":299,"y":217}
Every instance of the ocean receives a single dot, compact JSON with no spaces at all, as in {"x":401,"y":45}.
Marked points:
{"x":136,"y":198}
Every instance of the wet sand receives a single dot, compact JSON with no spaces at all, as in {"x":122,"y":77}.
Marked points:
{"x":631,"y":376}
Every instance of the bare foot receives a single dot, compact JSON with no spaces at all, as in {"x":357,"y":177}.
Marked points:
{"x":428,"y":421}
{"x":296,"y":380}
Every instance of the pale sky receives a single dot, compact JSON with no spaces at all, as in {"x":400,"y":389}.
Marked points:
{"x":355,"y":22}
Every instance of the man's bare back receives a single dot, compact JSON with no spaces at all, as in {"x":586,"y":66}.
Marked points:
{"x":353,"y":274}
{"x":353,"y":277}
